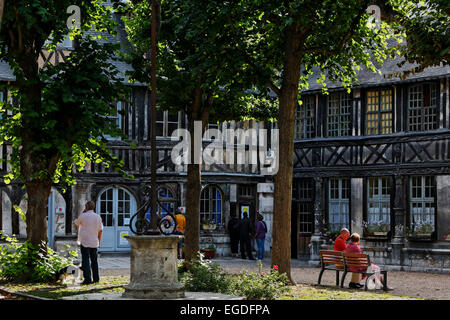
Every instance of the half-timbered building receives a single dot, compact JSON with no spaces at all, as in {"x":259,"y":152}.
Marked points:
{"x":375,"y":159}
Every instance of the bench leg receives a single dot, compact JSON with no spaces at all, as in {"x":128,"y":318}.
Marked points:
{"x":365,"y":282}
{"x":320,"y":276}
{"x":343,"y":278}
{"x":337,"y":278}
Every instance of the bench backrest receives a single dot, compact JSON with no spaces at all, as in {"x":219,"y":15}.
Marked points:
{"x":356,"y":260}
{"x":331,"y":257}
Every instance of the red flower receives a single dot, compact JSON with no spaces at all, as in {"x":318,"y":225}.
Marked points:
{"x":275,"y":267}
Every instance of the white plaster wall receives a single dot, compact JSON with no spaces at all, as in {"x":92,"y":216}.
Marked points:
{"x":60,"y":218}
{"x":22,"y":224}
{"x":6,"y":214}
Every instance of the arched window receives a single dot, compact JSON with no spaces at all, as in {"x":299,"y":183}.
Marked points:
{"x":115,"y":202}
{"x":211,"y":205}
{"x":168,"y":200}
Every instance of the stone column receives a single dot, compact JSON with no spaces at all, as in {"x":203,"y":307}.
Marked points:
{"x":357,"y":205}
{"x":153,"y":268}
{"x":80,"y":195}
{"x":265,"y":207}
{"x":443,"y":203}
{"x":319,"y":219}
{"x":398,"y":240}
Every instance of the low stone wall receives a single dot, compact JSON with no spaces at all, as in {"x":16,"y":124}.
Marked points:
{"x":220,"y":240}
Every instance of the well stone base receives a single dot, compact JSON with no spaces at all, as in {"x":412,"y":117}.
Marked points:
{"x":153,"y":268}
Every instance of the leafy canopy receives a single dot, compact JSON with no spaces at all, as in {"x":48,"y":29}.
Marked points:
{"x":59,"y":114}
{"x":201,"y":47}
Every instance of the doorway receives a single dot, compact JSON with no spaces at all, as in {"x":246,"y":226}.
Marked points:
{"x":115,"y":206}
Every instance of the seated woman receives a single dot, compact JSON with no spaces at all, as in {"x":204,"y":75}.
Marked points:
{"x":353,"y":247}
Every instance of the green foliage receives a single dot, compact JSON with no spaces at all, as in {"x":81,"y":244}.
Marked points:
{"x":200,"y":275}
{"x":264,"y":286}
{"x":426,"y":29}
{"x":23,"y":262}
{"x":200,"y":51}
{"x":58,"y":115}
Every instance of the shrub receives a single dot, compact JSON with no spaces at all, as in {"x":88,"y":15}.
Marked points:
{"x":200,"y":275}
{"x":23,"y":262}
{"x":264,"y":286}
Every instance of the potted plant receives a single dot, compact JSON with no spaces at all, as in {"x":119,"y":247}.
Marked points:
{"x":208,"y":224}
{"x":209,"y":252}
{"x":376,"y":228}
{"x":421,"y":230}
{"x":205,"y":224}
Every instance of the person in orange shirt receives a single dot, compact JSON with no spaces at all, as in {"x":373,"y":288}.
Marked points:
{"x":181,"y":226}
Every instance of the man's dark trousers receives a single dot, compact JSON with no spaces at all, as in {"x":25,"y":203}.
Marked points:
{"x":86,"y":255}
{"x":246,"y":247}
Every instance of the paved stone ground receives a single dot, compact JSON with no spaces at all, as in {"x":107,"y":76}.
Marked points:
{"x":412,"y":284}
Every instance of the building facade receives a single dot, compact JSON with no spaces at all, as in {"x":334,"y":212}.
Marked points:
{"x":375,"y":159}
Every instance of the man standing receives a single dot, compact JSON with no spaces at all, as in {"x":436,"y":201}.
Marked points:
{"x":181,"y":226}
{"x":233,"y":230}
{"x":90,"y":234}
{"x":245,"y":232}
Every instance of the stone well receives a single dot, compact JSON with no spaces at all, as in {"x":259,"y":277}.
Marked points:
{"x":153,"y":268}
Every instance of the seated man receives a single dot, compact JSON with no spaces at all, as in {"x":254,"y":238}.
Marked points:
{"x":340,"y":242}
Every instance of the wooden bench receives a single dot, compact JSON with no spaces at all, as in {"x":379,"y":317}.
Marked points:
{"x":360,"y":261}
{"x":331,"y":260}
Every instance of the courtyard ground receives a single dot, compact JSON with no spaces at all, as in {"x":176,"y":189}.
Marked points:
{"x":411,"y":284}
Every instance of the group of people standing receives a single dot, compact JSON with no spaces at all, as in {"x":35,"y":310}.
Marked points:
{"x":242,"y":231}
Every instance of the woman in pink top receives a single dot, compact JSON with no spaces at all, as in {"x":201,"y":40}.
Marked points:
{"x":353,"y":247}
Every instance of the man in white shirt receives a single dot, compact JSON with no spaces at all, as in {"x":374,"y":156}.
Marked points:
{"x":90,"y":229}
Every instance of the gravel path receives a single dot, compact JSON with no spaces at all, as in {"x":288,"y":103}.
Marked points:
{"x":412,"y":284}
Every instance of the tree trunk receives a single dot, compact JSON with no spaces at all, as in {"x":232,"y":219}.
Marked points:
{"x":281,"y":249}
{"x":193,"y":184}
{"x":192,"y":233}
{"x":2,"y":4}
{"x":37,"y":211}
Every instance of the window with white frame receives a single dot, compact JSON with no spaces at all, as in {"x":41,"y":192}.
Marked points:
{"x":422,"y":204}
{"x":423,"y":107}
{"x":339,"y":114}
{"x":378,"y":202}
{"x":116,"y":202}
{"x":338,"y":204}
{"x":305,"y":117}
{"x":379,"y":111}
{"x":166,"y":123}
{"x":211,"y":205}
